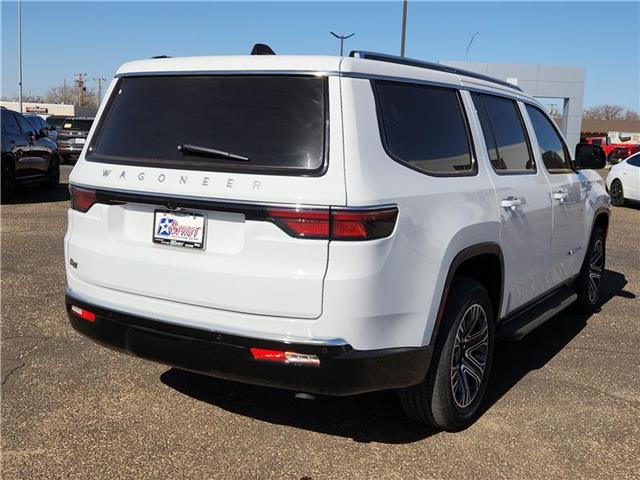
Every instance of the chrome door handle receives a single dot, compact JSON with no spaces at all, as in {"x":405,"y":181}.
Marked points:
{"x":562,"y":196}
{"x":512,"y":202}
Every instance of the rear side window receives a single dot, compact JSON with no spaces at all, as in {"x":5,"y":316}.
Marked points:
{"x":424,"y":127}
{"x":504,"y":132}
{"x":274,"y":124}
{"x":75,"y":124}
{"x":554,"y":152}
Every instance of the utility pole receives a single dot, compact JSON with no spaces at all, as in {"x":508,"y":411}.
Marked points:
{"x":473,"y":37}
{"x":342,"y":38}
{"x":80,"y":81}
{"x":99,"y":80}
{"x":20,"y":54}
{"x":404,"y":27}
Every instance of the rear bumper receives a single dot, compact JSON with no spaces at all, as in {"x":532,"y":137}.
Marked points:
{"x":342,"y":370}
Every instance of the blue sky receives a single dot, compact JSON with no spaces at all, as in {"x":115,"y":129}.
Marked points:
{"x":63,"y":38}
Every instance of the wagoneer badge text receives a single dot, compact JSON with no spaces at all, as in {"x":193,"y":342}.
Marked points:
{"x":203,"y":180}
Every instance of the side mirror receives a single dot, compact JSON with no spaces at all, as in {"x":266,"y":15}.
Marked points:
{"x":42,"y":133}
{"x":590,"y":157}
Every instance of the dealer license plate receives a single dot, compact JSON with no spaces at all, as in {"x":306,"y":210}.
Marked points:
{"x":178,"y":228}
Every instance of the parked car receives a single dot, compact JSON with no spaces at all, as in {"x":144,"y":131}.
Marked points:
{"x":72,"y":136}
{"x":623,"y":181}
{"x":330,"y":225}
{"x":54,"y":123}
{"x":27,"y":154}
{"x":39,"y":124}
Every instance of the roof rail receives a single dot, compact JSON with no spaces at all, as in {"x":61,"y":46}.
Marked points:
{"x":383,"y":57}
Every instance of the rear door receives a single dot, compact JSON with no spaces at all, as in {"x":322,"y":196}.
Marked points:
{"x":249,"y":158}
{"x":568,"y":197}
{"x":523,"y":196}
{"x":631,"y":177}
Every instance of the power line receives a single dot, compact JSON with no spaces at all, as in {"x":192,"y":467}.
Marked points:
{"x":99,"y":80}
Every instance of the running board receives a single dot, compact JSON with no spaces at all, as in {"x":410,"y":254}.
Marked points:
{"x":516,"y":326}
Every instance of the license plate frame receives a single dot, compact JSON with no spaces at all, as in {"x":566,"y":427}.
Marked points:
{"x":166,"y":233}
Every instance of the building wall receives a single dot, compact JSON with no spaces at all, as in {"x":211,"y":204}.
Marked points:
{"x":52,"y":108}
{"x":542,"y":81}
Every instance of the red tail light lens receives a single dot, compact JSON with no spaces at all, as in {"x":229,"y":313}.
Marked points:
{"x":301,"y":223}
{"x":362,"y":224}
{"x":82,"y":199}
{"x":367,"y":224}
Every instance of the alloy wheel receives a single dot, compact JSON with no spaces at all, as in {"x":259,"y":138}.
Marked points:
{"x":616,"y":192}
{"x":469,"y":356}
{"x":596,"y":264}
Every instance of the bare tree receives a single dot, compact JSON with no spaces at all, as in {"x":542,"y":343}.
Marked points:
{"x":69,"y":94}
{"x":611,"y":112}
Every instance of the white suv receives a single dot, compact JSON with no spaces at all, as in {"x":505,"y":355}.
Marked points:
{"x":329,"y":225}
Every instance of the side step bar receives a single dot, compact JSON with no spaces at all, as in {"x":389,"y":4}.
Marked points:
{"x":524,"y":321}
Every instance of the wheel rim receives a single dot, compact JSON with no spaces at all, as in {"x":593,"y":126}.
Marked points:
{"x":469,"y":356}
{"x":596,"y":264}
{"x":616,"y":191}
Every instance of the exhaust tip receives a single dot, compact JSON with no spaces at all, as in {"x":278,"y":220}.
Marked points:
{"x":304,"y":396}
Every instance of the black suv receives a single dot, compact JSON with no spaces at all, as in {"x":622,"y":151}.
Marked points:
{"x":28,"y":155}
{"x":72,"y":135}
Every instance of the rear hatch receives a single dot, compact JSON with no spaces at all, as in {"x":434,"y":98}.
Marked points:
{"x":207,"y":191}
{"x":74,"y":131}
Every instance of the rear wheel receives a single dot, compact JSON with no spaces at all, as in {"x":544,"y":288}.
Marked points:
{"x":451,"y":395}
{"x":617,"y":193}
{"x":54,"y":173}
{"x":589,"y":282}
{"x":8,"y":179}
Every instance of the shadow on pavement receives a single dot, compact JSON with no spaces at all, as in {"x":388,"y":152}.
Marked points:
{"x":377,"y":417}
{"x":36,"y":193}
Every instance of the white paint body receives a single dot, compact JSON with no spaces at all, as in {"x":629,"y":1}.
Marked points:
{"x":629,"y":175}
{"x":252,"y":279}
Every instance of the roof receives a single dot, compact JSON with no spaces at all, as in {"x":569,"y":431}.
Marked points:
{"x":311,"y":64}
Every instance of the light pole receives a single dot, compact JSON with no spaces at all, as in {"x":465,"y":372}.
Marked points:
{"x":342,"y":38}
{"x":404,"y":27}
{"x":473,"y":37}
{"x":20,"y":54}
{"x":99,"y":80}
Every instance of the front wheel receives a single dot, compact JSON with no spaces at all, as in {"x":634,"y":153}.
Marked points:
{"x":617,"y":193}
{"x":8,"y":179}
{"x":589,"y":281}
{"x":54,"y":173}
{"x":451,"y":395}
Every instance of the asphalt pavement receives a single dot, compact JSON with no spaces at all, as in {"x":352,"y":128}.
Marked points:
{"x":562,"y":403}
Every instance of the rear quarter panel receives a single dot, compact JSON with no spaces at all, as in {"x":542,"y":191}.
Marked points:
{"x":392,"y":287}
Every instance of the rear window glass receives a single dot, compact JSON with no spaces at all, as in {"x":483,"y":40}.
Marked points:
{"x":424,"y":127}
{"x":277,"y":123}
{"x":75,"y":124}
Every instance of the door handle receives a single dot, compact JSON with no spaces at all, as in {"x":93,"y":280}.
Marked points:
{"x":512,"y":202}
{"x":559,"y":195}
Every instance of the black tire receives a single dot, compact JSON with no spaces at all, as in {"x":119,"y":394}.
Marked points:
{"x":8,"y":179}
{"x":54,"y":173}
{"x":589,"y":282}
{"x":440,"y":401}
{"x":617,"y":193}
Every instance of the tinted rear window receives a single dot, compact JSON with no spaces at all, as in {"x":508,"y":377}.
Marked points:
{"x":424,"y":127}
{"x":74,"y":124}
{"x":278,"y":123}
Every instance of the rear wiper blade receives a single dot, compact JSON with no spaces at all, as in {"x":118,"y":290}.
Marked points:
{"x":210,"y":152}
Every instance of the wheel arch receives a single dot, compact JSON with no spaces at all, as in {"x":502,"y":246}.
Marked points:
{"x":483,"y":262}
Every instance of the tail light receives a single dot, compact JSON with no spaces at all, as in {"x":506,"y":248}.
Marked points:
{"x":82,"y":199}
{"x":335,"y":224}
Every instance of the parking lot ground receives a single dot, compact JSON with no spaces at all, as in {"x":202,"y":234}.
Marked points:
{"x":562,"y":403}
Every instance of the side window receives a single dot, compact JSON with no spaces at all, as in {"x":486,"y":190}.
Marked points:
{"x":595,"y":141}
{"x":25,"y":126}
{"x":512,"y":150}
{"x":634,"y":160}
{"x":553,"y":150}
{"x":424,"y":127}
{"x":9,"y":124}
